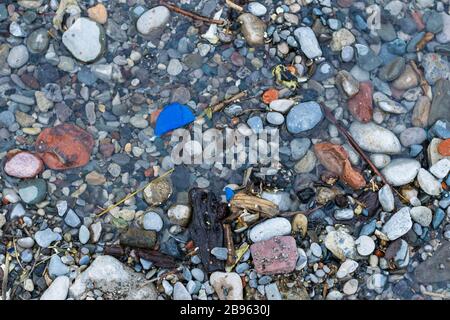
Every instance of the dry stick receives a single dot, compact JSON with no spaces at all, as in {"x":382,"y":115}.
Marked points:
{"x":234,"y":6}
{"x":231,"y":257}
{"x":191,"y":15}
{"x":423,"y":82}
{"x":219,"y":106}
{"x":133,"y":193}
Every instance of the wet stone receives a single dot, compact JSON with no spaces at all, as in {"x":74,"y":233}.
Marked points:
{"x":85,"y":39}
{"x":303,"y":117}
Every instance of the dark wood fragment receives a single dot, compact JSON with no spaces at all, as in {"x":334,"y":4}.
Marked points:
{"x":206,"y":227}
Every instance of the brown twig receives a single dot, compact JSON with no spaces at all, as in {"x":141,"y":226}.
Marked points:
{"x":330,"y":116}
{"x":234,"y":6}
{"x":423,"y":82}
{"x":423,"y":42}
{"x":219,"y":106}
{"x":191,"y":15}
{"x":231,"y":257}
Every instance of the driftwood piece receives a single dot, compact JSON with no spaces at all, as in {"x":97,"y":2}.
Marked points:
{"x":253,"y":204}
{"x":206,"y":226}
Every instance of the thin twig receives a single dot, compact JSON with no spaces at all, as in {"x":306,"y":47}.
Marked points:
{"x":234,"y":6}
{"x":191,"y":15}
{"x":133,"y":193}
{"x":231,"y":257}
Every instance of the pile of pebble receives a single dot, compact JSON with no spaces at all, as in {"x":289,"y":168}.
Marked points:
{"x":108,"y":67}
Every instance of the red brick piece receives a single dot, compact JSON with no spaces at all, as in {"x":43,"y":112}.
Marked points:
{"x":276,"y":255}
{"x":361,"y":105}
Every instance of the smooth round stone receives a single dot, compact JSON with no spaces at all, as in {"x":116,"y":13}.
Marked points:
{"x":441,"y":168}
{"x":316,"y":249}
{"x":72,"y":219}
{"x":303,"y":117}
{"x":345,"y":214}
{"x":307,"y":163}
{"x":350,"y":287}
{"x":152,"y":221}
{"x":401,"y":171}
{"x":174,"y":67}
{"x":37,"y":41}
{"x":198,"y":274}
{"x":398,"y":225}
{"x":281,"y":199}
{"x":428,"y":183}
{"x":412,"y":136}
{"x":45,"y":237}
{"x":422,"y":215}
{"x":152,"y":20}
{"x":306,"y":37}
{"x":56,"y":267}
{"x":26,"y":243}
{"x":407,"y":80}
{"x":180,"y":292}
{"x":281,"y":105}
{"x":252,"y":28}
{"x":387,"y":104}
{"x":23,"y":165}
{"x":256,"y":124}
{"x":33,"y":191}
{"x":374,"y":138}
{"x":85,"y":40}
{"x":386,"y":198}
{"x":257,"y":9}
{"x":227,"y":285}
{"x":392,"y":70}
{"x":275,"y":118}
{"x":347,"y":53}
{"x":83,"y":234}
{"x":299,"y":147}
{"x":220,"y":253}
{"x":365,"y":245}
{"x":341,"y":39}
{"x":269,"y":229}
{"x":380,"y":160}
{"x":341,"y":244}
{"x":18,"y":56}
{"x":179,"y":214}
{"x":58,"y":290}
{"x":347,"y":267}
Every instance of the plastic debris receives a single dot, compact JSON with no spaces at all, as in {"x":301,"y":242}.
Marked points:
{"x":173,"y":116}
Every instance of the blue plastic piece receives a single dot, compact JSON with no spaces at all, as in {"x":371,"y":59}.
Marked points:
{"x":229,"y":194}
{"x":173,"y":116}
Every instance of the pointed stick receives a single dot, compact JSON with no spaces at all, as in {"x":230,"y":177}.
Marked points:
{"x":191,"y":15}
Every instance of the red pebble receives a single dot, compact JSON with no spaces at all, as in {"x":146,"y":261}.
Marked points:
{"x":274,"y":256}
{"x":361,"y":105}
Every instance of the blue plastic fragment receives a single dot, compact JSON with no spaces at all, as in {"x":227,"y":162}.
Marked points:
{"x":173,"y":116}
{"x":229,"y":193}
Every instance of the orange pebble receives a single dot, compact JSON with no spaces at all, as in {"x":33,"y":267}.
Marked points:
{"x":444,"y":148}
{"x":154,"y":116}
{"x":190,"y":245}
{"x":270,"y":95}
